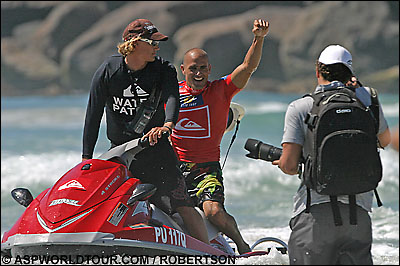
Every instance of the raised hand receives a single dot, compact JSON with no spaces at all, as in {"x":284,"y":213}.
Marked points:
{"x":260,"y":27}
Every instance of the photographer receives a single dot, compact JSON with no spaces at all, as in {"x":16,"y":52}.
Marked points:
{"x":133,"y":87}
{"x":341,"y":165}
{"x":316,"y":237}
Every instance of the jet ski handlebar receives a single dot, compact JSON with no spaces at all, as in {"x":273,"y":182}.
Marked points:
{"x":126,"y":152}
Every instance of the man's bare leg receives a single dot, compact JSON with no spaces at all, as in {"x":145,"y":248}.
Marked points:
{"x":194,"y":223}
{"x":225,"y":223}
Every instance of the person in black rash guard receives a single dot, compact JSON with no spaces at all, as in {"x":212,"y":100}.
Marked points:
{"x":124,"y":81}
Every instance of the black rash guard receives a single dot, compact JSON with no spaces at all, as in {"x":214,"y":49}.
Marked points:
{"x":120,"y":90}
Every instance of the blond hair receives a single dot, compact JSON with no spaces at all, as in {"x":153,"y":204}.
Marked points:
{"x":128,"y":47}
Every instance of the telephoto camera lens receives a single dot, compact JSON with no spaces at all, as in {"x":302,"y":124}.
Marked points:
{"x":260,"y":150}
{"x":253,"y":146}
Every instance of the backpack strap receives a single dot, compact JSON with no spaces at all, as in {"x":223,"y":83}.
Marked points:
{"x":309,"y":123}
{"x":308,"y":202}
{"x":312,"y":116}
{"x":335,"y":210}
{"x":378,"y":200}
{"x":353,"y":209}
{"x":375,"y":111}
{"x":375,"y":108}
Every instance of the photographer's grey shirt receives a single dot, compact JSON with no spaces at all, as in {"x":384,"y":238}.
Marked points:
{"x":295,"y":131}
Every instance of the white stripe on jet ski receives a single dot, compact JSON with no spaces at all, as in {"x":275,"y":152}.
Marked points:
{"x":43,"y":224}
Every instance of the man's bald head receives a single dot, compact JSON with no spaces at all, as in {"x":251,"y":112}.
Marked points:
{"x":194,"y":53}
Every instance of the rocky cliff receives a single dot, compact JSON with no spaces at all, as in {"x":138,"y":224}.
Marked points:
{"x":54,"y":47}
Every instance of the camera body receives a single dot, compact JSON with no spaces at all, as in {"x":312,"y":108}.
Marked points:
{"x":143,"y":117}
{"x":260,"y":150}
{"x":138,"y":124}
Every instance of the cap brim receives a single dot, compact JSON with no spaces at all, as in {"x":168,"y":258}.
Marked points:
{"x":350,"y":68}
{"x":158,"y":36}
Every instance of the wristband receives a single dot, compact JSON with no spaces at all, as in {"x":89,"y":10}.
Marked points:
{"x":170,"y":129}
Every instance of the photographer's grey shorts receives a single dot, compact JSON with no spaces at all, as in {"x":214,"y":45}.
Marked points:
{"x":315,"y":240}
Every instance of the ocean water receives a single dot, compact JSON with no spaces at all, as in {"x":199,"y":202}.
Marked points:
{"x":41,"y":139}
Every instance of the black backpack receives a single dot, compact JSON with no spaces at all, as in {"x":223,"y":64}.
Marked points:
{"x":340,"y":152}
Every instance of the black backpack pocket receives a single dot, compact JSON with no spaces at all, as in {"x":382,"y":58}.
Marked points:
{"x":307,"y":173}
{"x":348,"y":163}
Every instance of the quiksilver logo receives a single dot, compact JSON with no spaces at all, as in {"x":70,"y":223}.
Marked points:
{"x":184,"y":124}
{"x":342,"y":111}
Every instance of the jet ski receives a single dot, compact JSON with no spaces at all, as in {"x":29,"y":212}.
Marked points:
{"x":99,"y":208}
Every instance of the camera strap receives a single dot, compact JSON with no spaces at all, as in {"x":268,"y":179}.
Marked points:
{"x":154,"y":98}
{"x":232,"y":140}
{"x":144,"y":112}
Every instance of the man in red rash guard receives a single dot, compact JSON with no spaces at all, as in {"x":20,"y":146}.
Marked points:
{"x":201,"y":124}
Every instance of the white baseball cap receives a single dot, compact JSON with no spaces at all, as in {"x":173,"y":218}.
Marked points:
{"x":336,"y":54}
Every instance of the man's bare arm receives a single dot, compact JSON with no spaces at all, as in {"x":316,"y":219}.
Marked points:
{"x":242,"y":74}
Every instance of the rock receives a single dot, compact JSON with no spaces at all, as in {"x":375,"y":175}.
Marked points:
{"x":55,"y":47}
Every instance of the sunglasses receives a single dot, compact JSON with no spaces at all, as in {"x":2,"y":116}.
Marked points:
{"x":151,"y":42}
